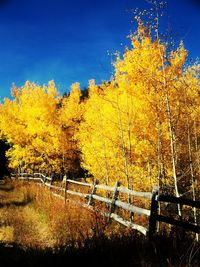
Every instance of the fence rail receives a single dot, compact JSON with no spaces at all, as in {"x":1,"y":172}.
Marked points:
{"x":114,"y":203}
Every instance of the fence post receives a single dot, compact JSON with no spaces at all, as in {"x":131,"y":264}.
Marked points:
{"x":66,"y":190}
{"x":64,"y":181}
{"x":51,"y":181}
{"x":114,"y":198}
{"x":45,"y":175}
{"x":154,"y":211}
{"x":94,"y":189}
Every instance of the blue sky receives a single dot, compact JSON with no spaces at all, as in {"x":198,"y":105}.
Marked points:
{"x":68,"y":41}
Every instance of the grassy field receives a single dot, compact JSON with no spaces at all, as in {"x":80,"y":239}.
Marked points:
{"x":37,"y":229}
{"x":31,"y":217}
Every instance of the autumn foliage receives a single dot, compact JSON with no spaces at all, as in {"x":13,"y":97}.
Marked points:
{"x":40,"y":129}
{"x":142,"y":127}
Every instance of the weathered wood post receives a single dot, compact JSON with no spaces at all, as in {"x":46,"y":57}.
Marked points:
{"x":64,"y":183}
{"x":153,"y":214}
{"x":94,"y":189}
{"x":114,"y":198}
{"x":44,"y":178}
{"x":51,"y":181}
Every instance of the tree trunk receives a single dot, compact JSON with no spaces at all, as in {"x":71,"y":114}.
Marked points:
{"x":173,"y":151}
{"x":123,"y":148}
{"x":191,"y":165}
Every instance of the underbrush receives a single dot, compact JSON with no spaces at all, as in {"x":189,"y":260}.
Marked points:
{"x":128,"y":250}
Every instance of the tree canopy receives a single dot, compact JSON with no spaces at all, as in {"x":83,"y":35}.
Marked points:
{"x":141,"y":128}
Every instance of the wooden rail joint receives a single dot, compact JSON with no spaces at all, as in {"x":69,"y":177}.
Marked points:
{"x":114,"y":199}
{"x":93,"y":192}
{"x":153,"y":213}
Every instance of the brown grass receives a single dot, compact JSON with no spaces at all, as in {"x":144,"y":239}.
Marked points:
{"x":32,"y":217}
{"x":38,"y":229}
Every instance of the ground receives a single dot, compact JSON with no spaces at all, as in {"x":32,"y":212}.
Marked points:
{"x":37,"y":229}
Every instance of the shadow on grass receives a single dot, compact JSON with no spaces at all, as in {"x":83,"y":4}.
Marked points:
{"x":22,"y":203}
{"x":6,"y":187}
{"x":133,"y":250}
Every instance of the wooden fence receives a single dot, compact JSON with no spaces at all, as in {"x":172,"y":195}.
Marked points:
{"x":114,"y":203}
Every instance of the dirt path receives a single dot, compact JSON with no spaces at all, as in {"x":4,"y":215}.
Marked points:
{"x":20,"y":221}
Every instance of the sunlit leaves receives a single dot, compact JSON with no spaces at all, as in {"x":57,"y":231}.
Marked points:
{"x":121,"y":129}
{"x":39,"y":127}
{"x":125,"y":131}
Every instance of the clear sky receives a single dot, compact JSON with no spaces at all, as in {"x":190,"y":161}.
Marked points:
{"x":69,"y":40}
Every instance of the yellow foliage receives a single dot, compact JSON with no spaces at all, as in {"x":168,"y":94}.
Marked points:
{"x":34,"y":124}
{"x":125,"y":131}
{"x":135,"y":128}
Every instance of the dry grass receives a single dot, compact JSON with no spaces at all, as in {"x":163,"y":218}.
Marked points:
{"x":44,"y":231}
{"x":18,"y":218}
{"x":32,"y":217}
